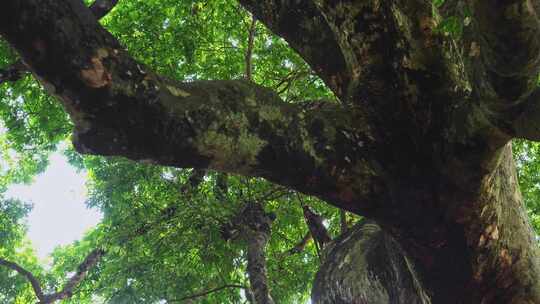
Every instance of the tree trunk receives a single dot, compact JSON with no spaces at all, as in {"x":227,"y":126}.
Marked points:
{"x":419,"y":143}
{"x":256,"y":228}
{"x":480,"y":263}
{"x":366,"y":265}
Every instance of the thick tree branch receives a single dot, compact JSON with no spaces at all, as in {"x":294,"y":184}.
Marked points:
{"x":120,"y":108}
{"x":316,"y":227}
{"x":252,"y":225}
{"x":256,"y":268}
{"x":527,"y":124}
{"x":36,"y":286}
{"x":304,"y":28}
{"x":381,"y":42}
{"x":82,"y":271}
{"x":16,"y":71}
{"x":507,"y":41}
{"x":505,"y":257}
{"x":370,"y":265}
{"x":100,"y":8}
{"x":67,"y":291}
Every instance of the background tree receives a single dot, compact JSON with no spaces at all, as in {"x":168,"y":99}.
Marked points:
{"x":428,"y":97}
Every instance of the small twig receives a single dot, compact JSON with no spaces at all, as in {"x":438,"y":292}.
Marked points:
{"x":195,"y":179}
{"x":300,"y":246}
{"x":249,"y":51}
{"x":273,"y":194}
{"x":207,"y":292}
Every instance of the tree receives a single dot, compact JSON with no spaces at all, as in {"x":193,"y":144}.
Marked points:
{"x":430,"y":97}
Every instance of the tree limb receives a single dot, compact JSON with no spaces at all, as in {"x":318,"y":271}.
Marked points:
{"x":82,"y":270}
{"x":67,"y":291}
{"x":380,"y":267}
{"x":16,"y":71}
{"x":257,"y":230}
{"x":253,"y":226}
{"x":304,"y":28}
{"x":507,"y":40}
{"x":118,"y":107}
{"x":527,"y":124}
{"x":316,"y":227}
{"x":28,"y":275}
{"x":100,"y":8}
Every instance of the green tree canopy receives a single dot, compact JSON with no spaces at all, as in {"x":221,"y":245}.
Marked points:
{"x":172,"y":235}
{"x":163,"y":240}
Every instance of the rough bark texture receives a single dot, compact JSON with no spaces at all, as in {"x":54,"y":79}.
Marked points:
{"x":252,"y":226}
{"x":16,"y":71}
{"x":256,"y":266}
{"x":420,"y":143}
{"x":366,"y":265}
{"x":316,"y":228}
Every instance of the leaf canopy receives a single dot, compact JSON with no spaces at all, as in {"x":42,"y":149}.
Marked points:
{"x":164,"y":242}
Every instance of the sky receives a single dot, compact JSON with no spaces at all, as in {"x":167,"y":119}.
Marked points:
{"x":59,"y":215}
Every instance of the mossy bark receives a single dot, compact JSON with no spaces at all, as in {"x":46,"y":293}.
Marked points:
{"x":492,"y":256}
{"x":419,"y":143}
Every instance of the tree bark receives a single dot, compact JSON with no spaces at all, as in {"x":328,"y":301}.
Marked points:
{"x":73,"y":282}
{"x":16,"y":71}
{"x":503,"y":249}
{"x":420,"y":143}
{"x":367,"y":265}
{"x":252,"y":225}
{"x":493,"y":265}
{"x":256,"y":267}
{"x":119,"y":107}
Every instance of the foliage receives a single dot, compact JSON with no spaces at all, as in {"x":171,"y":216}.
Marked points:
{"x":164,"y":243}
{"x":184,"y":252}
{"x":527,"y":156}
{"x":14,"y":246}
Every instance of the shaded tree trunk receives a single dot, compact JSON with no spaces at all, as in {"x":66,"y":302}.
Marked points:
{"x":252,"y":226}
{"x":367,"y":265}
{"x":419,"y":143}
{"x":256,"y":266}
{"x":483,"y":264}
